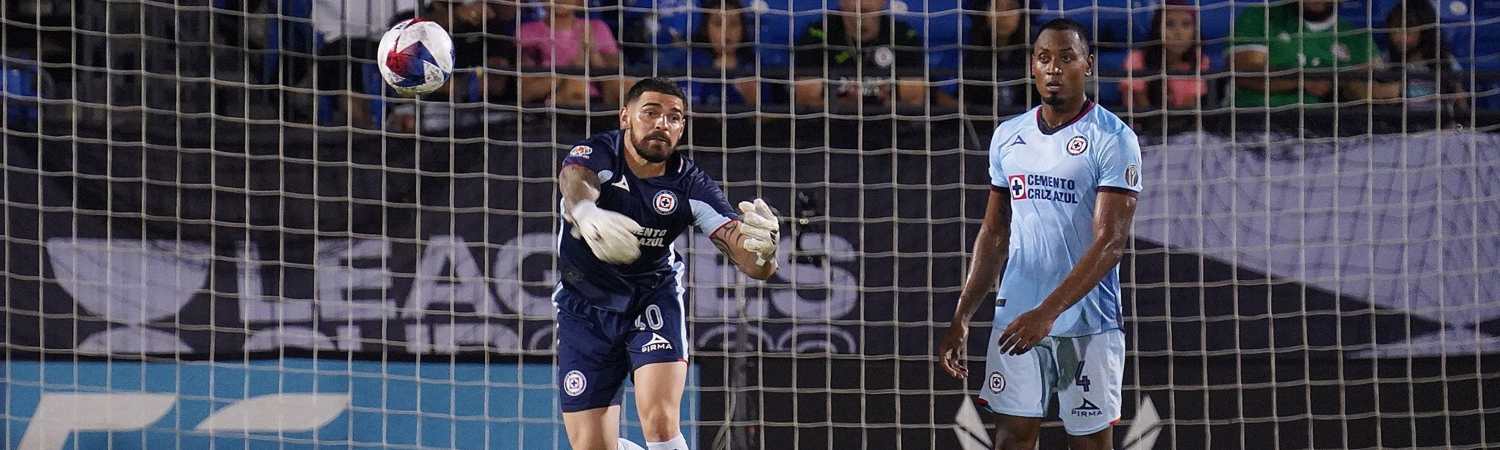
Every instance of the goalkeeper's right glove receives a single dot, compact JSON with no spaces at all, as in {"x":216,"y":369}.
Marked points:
{"x":610,"y":235}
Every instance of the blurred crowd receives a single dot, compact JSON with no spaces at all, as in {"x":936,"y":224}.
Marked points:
{"x":860,"y":55}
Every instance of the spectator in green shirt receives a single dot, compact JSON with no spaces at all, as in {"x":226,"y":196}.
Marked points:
{"x":1289,"y":53}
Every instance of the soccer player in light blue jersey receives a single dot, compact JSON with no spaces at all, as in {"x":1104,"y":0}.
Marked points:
{"x":1064,"y":181}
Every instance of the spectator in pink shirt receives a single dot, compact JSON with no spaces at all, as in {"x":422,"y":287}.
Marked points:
{"x":568,"y":38}
{"x":1167,"y":73}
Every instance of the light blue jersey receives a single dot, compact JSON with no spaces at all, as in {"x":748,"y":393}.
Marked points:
{"x":1053,"y":176}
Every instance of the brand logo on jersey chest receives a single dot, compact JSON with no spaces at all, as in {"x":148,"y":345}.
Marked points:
{"x":582,"y":151}
{"x":1077,"y":145}
{"x":665,"y":202}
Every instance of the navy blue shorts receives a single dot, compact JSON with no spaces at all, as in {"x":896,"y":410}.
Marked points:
{"x":597,"y":349}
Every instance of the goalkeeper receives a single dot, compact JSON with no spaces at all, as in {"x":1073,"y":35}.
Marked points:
{"x":627,"y":194}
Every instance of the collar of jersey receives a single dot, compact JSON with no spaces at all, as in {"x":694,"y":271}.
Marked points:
{"x":1041,"y":125}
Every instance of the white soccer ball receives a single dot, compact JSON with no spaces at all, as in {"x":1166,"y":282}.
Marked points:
{"x":415,"y":57}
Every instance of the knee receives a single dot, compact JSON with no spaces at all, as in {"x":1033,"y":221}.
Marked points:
{"x":659,"y":425}
{"x":1015,"y":439}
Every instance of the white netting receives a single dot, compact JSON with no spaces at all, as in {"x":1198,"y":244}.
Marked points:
{"x":222,"y":231}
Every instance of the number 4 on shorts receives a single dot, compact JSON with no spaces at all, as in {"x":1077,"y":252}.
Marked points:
{"x":1082,"y":380}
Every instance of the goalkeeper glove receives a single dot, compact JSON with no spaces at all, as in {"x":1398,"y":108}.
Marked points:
{"x":761,"y":228}
{"x":609,"y":234}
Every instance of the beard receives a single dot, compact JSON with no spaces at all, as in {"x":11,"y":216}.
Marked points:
{"x":653,"y":150}
{"x":1054,"y":100}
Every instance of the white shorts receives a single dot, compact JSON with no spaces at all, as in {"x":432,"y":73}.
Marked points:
{"x":1085,"y":372}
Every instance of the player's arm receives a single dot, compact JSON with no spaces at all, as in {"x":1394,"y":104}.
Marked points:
{"x":610,"y":235}
{"x":748,"y":238}
{"x":991,"y":249}
{"x":752,"y":248}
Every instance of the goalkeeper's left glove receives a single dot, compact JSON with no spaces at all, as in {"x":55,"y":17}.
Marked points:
{"x":761,"y":228}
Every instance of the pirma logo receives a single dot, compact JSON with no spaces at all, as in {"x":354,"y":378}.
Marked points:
{"x":1087,"y":409}
{"x":997,"y":382}
{"x":665,"y":202}
{"x":656,"y":343}
{"x":1017,"y":186}
{"x":582,"y":151}
{"x":574,"y":383}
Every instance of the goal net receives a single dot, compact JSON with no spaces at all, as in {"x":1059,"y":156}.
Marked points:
{"x":222,"y":230}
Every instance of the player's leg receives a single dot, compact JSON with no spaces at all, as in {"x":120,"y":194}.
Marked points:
{"x":1017,"y":389}
{"x":591,"y":368}
{"x":658,"y":399}
{"x":1101,"y":440}
{"x":1015,"y":432}
{"x":659,"y":350}
{"x":1090,"y":404}
{"x":593,"y":429}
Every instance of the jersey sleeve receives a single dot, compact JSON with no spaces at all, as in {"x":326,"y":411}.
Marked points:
{"x":593,"y":155}
{"x":1119,"y":162}
{"x":710,"y":208}
{"x":997,"y":170}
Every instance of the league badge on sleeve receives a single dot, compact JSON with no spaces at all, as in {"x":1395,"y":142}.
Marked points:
{"x":1077,"y":145}
{"x":1132,"y":176}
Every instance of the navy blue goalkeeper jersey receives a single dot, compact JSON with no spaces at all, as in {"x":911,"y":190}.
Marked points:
{"x":664,"y":206}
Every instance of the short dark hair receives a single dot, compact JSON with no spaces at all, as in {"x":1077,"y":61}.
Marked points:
{"x":658,"y":85}
{"x":1066,"y":24}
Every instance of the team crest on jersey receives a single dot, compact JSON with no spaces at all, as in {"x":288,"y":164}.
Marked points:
{"x":997,"y":382}
{"x":574,"y":383}
{"x":665,"y":202}
{"x":1132,"y":175}
{"x":1077,"y":145}
{"x":1017,"y":186}
{"x":582,"y":151}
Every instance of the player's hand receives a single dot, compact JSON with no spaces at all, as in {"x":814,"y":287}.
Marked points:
{"x":953,"y":350}
{"x":609,"y":234}
{"x":1024,"y":332}
{"x":762,"y":230}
